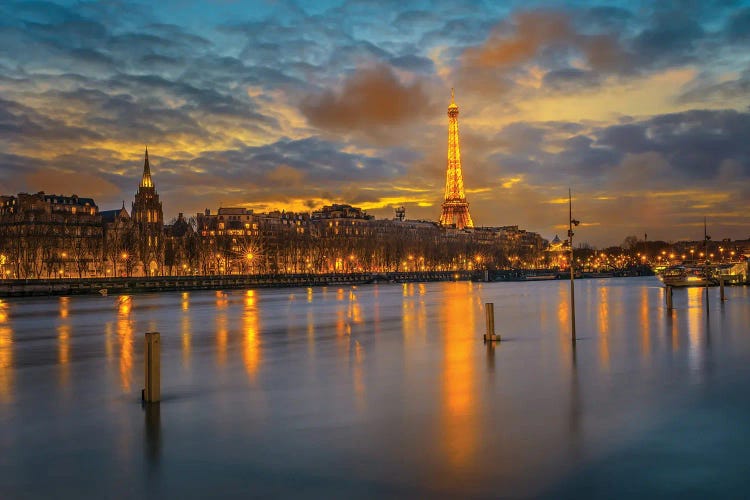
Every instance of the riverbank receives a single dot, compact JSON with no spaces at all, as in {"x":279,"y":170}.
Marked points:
{"x":106,"y":286}
{"x":133,"y":285}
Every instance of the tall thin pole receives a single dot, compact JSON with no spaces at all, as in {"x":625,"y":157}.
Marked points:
{"x":572,"y":272}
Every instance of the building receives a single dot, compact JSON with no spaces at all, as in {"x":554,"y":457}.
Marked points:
{"x":148,"y":220}
{"x":49,"y":235}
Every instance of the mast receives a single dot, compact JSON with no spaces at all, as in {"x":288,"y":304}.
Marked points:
{"x":572,"y":222}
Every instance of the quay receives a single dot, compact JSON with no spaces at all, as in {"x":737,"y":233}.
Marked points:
{"x":150,"y":284}
{"x":87,"y":286}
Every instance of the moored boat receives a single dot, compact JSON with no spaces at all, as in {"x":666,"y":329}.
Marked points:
{"x":683,"y":276}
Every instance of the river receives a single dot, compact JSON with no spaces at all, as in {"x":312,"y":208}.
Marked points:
{"x":379,"y":391}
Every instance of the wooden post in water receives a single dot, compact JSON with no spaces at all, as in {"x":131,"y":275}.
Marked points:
{"x":152,"y":361}
{"x":668,"y":297}
{"x":489,"y":309}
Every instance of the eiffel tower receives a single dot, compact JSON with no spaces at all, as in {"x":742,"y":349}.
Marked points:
{"x":455,"y":206}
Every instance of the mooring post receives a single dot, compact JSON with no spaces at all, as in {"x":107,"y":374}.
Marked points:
{"x":152,"y":361}
{"x":721,"y":288}
{"x":668,"y":297}
{"x":489,"y":309}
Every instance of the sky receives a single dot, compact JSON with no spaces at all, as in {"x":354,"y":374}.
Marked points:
{"x":642,"y":109}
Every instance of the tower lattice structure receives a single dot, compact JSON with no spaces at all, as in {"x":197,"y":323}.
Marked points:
{"x":455,"y":207}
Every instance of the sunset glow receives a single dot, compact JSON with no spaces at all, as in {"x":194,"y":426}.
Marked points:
{"x":295,"y":105}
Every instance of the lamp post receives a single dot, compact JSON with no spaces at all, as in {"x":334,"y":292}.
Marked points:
{"x":124,"y":257}
{"x":572,"y":222}
{"x":249,"y":258}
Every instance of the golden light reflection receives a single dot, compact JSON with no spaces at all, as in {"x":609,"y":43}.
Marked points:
{"x":186,"y":340}
{"x":645,"y":324}
{"x":310,"y":332}
{"x":185,"y":301}
{"x":251,"y":327}
{"x":6,"y":364}
{"x":358,"y":376}
{"x":407,"y":317}
{"x":459,"y":436}
{"x":63,"y":353}
{"x":309,"y":295}
{"x":222,"y":300}
{"x":563,"y":310}
{"x":64,"y":307}
{"x":109,"y":348}
{"x":222,"y":337}
{"x":354,"y":314}
{"x":3,"y":311}
{"x":125,"y":338}
{"x":695,"y":314}
{"x":342,"y":326}
{"x":674,"y":332}
{"x":604,"y":327}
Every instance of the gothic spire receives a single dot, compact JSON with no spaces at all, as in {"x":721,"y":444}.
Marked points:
{"x":146,"y":181}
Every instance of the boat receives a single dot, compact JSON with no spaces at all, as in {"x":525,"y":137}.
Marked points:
{"x":103,"y":292}
{"x":686,"y":276}
{"x":539,"y":275}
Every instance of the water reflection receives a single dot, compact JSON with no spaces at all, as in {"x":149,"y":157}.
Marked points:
{"x":695,"y":314}
{"x":408,"y":371}
{"x":125,"y":338}
{"x":186,"y":340}
{"x":491,"y":359}
{"x":458,"y":437}
{"x":645,"y":324}
{"x":563,"y":310}
{"x":604,"y":327}
{"x":3,"y":311}
{"x":63,"y":353}
{"x":222,"y":332}
{"x":358,"y":376}
{"x":575,"y":409}
{"x":64,"y":307}
{"x":6,"y":361}
{"x":251,"y":326}
{"x":354,"y":312}
{"x":63,"y":342}
{"x":152,"y":436}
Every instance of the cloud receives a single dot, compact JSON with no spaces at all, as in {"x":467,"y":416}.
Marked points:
{"x":738,"y":27}
{"x":369,"y":100}
{"x":642,"y":109}
{"x":82,"y":183}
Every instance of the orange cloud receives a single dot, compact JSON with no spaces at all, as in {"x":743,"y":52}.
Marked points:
{"x":81,"y":183}
{"x":532,"y":31}
{"x":370,"y":99}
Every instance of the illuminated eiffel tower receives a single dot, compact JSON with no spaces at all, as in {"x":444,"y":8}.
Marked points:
{"x":455,"y":206}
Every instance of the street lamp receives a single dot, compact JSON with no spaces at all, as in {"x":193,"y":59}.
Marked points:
{"x":572,"y":222}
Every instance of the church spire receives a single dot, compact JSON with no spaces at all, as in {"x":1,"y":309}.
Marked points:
{"x":146,"y":181}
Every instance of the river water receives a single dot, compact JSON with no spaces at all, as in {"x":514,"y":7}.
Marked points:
{"x":379,"y":391}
